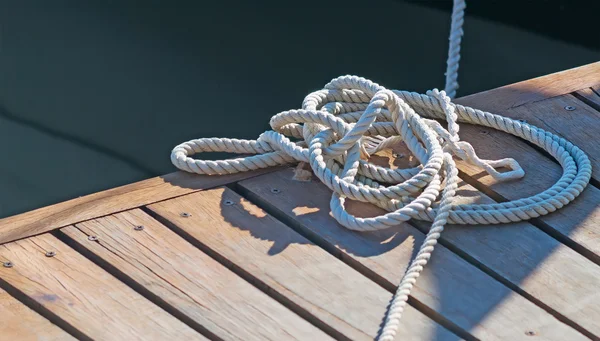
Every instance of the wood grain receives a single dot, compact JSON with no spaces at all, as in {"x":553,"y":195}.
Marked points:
{"x":533,"y":90}
{"x":18,"y":322}
{"x":83,"y":295}
{"x":521,"y":254}
{"x":539,"y":265}
{"x":189,"y":280}
{"x":110,"y":201}
{"x":276,"y":257}
{"x":449,"y":285}
{"x":591,"y":96}
{"x":580,"y":126}
{"x":576,"y":224}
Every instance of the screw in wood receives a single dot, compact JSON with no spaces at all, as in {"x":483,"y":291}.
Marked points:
{"x":139,"y":228}
{"x":275,"y":190}
{"x":50,"y":254}
{"x":185,"y":214}
{"x":228,"y":202}
{"x":8,"y":264}
{"x":484,"y":132}
{"x":92,"y":238}
{"x":570,"y":108}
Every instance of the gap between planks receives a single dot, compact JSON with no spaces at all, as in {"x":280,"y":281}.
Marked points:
{"x":178,"y":276}
{"x":294,"y":286}
{"x":81,"y":297}
{"x":34,"y":305}
{"x":24,"y":318}
{"x":540,"y":224}
{"x":134,"y":285}
{"x":589,"y":96}
{"x":248,"y":277}
{"x":353,"y":263}
{"x":494,"y":274}
{"x":311,"y":221}
{"x":317,"y":239}
{"x":65,"y":249}
{"x":575,"y":225}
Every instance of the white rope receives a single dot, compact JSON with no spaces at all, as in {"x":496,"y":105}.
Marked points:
{"x":456,"y":33}
{"x":353,"y":117}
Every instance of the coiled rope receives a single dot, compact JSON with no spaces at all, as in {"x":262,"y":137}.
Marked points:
{"x":353,"y":117}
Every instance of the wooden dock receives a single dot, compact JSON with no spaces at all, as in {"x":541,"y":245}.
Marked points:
{"x":257,"y":256}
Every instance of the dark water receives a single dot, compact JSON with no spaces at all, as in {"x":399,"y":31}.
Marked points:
{"x":94,"y":94}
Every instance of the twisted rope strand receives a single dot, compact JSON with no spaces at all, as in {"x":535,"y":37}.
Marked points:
{"x":456,"y":33}
{"x":353,"y":117}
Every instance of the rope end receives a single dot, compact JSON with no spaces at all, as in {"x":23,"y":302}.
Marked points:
{"x":301,"y":174}
{"x":516,"y":171}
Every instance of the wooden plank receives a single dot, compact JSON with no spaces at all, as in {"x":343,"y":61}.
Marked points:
{"x":575,"y":224}
{"x":580,"y":126}
{"x":21,"y":323}
{"x":523,"y":256}
{"x":188,"y":280}
{"x":449,"y":285}
{"x":275,"y":257}
{"x":85,"y":297}
{"x":110,"y":201}
{"x":591,"y":96}
{"x":531,"y":260}
{"x":536,"y":89}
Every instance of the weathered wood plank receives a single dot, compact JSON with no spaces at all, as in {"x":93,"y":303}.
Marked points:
{"x":524,"y":256}
{"x":536,"y":89}
{"x":110,"y":201}
{"x":21,"y":323}
{"x":576,"y":223}
{"x":591,"y":96}
{"x":531,"y":260}
{"x":580,"y":126}
{"x":449,"y":285}
{"x":84,"y":296}
{"x":188,"y":280}
{"x":290,"y":266}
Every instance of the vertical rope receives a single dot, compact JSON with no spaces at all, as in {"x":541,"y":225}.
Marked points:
{"x":392,"y":322}
{"x":456,"y":33}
